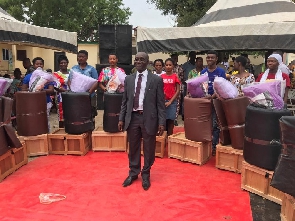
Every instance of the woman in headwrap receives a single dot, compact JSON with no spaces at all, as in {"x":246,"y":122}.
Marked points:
{"x":273,"y":72}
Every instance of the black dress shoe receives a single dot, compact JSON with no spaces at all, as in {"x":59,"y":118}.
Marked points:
{"x":146,"y":184}
{"x":129,"y":180}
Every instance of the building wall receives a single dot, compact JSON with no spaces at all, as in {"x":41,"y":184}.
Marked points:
{"x":3,"y":63}
{"x":48,"y":55}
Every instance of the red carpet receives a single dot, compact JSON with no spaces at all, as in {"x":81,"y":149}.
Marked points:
{"x":92,"y":185}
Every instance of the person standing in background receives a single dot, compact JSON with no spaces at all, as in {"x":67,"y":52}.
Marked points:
{"x":171,"y":91}
{"x":187,"y":67}
{"x":63,"y":76}
{"x":158,"y":65}
{"x":213,"y":71}
{"x":84,"y":68}
{"x":28,"y":66}
{"x":143,"y":117}
{"x":197,"y":71}
{"x":107,"y":73}
{"x":179,"y":71}
{"x":242,"y":77}
{"x":17,"y":82}
{"x":274,"y":72}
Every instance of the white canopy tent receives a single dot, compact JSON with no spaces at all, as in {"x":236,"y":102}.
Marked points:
{"x":228,"y":25}
{"x":13,"y":31}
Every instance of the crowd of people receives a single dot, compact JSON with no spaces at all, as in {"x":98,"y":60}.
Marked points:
{"x":140,"y":110}
{"x":153,"y":95}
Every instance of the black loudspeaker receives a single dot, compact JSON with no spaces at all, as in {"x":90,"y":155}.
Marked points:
{"x":107,"y":42}
{"x":124,"y":36}
{"x":124,"y":43}
{"x":115,"y":39}
{"x":107,"y":37}
{"x":124,"y":55}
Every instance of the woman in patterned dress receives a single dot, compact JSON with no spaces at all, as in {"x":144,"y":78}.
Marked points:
{"x":242,"y":77}
{"x":62,"y":75}
{"x":197,"y":71}
{"x":107,"y":73}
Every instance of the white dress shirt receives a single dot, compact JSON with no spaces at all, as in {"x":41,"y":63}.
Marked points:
{"x":142,"y":89}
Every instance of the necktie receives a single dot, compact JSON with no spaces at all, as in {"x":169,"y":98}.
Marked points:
{"x":137,"y":92}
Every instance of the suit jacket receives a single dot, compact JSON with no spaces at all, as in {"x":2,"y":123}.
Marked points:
{"x":154,"y":111}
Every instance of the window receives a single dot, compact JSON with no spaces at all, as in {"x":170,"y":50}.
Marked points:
{"x":5,"y":55}
{"x":21,"y":55}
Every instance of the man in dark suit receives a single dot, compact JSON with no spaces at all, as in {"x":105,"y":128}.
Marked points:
{"x":143,"y":116}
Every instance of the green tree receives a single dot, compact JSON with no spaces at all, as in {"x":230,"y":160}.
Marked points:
{"x":81,"y":16}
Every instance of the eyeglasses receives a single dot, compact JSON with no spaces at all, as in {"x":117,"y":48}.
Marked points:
{"x":139,"y":59}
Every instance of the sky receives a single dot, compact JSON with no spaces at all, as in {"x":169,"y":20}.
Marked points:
{"x":146,"y":15}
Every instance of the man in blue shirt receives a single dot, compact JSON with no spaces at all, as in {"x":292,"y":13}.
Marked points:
{"x":86,"y":69}
{"x":213,"y":71}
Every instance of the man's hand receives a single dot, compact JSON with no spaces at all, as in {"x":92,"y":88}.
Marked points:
{"x":160,"y":130}
{"x":120,"y":125}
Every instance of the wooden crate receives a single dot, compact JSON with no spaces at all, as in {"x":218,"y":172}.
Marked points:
{"x":59,"y":142}
{"x":7,"y":165}
{"x":257,"y":180}
{"x":160,"y":145}
{"x":20,"y":157}
{"x":228,"y":158}
{"x":36,"y":145}
{"x":104,"y":141}
{"x":186,"y":150}
{"x":288,"y":208}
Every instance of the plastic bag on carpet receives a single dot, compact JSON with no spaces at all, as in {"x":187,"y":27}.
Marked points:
{"x":80,"y":82}
{"x":47,"y":198}
{"x":196,"y":87}
{"x":224,"y":88}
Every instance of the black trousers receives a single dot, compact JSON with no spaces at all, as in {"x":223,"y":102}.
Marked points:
{"x":135,"y":132}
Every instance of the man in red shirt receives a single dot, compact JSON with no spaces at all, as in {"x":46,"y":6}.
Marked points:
{"x":273,"y":72}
